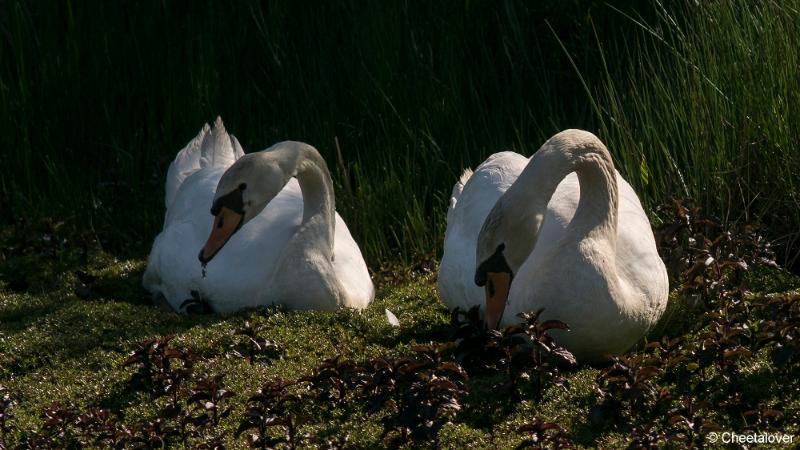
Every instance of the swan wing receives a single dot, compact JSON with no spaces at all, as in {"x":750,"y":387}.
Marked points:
{"x":350,"y":268}
{"x":219,"y":149}
{"x":639,"y":265}
{"x":186,"y":162}
{"x":212,"y":147}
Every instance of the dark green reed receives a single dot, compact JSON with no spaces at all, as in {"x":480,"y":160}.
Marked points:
{"x":96,"y":98}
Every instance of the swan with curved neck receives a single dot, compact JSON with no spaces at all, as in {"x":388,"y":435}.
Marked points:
{"x":244,"y":191}
{"x":274,"y":237}
{"x":553,"y":240}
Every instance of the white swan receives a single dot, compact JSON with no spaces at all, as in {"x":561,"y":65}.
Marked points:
{"x":562,"y":231}
{"x":283,"y":241}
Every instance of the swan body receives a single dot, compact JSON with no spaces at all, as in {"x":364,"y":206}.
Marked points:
{"x":573,"y":237}
{"x":285,"y":253}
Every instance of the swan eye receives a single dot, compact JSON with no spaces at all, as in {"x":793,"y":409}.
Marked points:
{"x":242,"y":186}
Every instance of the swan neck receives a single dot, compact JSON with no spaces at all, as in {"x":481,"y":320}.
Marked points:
{"x":596,"y":215}
{"x":305,"y":267}
{"x":525,"y":203}
{"x":318,"y":198}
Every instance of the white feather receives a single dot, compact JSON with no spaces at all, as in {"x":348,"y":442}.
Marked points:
{"x":392,"y":319}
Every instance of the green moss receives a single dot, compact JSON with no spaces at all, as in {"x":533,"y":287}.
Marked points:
{"x":58,"y":347}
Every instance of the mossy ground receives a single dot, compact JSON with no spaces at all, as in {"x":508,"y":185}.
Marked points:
{"x":58,"y":346}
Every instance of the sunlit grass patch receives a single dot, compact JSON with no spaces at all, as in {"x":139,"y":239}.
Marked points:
{"x":59,"y":347}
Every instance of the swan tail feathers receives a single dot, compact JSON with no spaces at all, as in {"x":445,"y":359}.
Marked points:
{"x":219,"y":149}
{"x":463,"y":180}
{"x":457,"y":189}
{"x":459,"y":186}
{"x":186,"y":162}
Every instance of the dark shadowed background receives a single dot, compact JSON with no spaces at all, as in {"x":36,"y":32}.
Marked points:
{"x":693,"y":100}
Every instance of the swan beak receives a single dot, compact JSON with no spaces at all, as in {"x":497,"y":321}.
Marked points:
{"x":226,"y":223}
{"x":497,"y":286}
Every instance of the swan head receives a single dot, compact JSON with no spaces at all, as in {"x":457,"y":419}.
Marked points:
{"x":494,"y":275}
{"x":495,"y":266}
{"x":242,"y":193}
{"x":503,"y":245}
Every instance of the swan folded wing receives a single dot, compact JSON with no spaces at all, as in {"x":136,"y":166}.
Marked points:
{"x":219,"y":149}
{"x":482,"y":189}
{"x":643,"y":268}
{"x":186,"y":162}
{"x":351,"y":269}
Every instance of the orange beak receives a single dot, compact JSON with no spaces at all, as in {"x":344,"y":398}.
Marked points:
{"x":225,"y":224}
{"x":497,"y":286}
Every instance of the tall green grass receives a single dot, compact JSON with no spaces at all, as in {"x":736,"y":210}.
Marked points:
{"x":704,"y":104}
{"x":691,"y":99}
